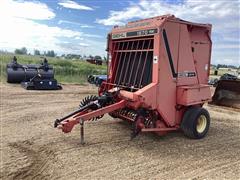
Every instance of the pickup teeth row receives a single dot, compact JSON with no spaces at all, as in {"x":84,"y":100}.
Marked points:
{"x":125,"y":113}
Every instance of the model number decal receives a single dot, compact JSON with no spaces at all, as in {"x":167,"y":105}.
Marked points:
{"x":186,"y":74}
{"x":134,"y":33}
{"x":118,"y":36}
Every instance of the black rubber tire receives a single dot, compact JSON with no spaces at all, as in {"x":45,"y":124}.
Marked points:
{"x":189,"y":122}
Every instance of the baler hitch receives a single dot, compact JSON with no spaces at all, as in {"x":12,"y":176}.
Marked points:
{"x":92,"y":105}
{"x":90,"y":108}
{"x":89,"y":103}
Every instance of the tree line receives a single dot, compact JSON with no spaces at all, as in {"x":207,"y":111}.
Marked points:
{"x":24,"y":51}
{"x":225,"y":66}
{"x":51,"y":53}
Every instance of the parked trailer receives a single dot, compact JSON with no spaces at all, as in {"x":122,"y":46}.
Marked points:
{"x":97,"y":79}
{"x":31,"y":76}
{"x":17,"y":73}
{"x":95,"y":61}
{"x":157,"y":78}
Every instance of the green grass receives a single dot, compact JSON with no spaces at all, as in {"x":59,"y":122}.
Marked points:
{"x":66,"y":71}
{"x":223,"y":71}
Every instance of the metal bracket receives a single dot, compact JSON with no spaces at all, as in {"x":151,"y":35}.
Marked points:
{"x":82,"y":131}
{"x":155,"y":59}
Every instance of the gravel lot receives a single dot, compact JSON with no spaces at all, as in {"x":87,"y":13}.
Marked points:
{"x":32,"y":149}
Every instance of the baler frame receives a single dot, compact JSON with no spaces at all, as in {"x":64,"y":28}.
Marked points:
{"x":170,"y":72}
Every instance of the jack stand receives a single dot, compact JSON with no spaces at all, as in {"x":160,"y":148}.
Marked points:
{"x":82,"y":131}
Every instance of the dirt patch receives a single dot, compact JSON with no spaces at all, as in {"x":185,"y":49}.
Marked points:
{"x":39,"y":161}
{"x":33,"y":149}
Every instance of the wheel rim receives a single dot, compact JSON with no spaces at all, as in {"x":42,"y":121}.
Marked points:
{"x":201,"y":124}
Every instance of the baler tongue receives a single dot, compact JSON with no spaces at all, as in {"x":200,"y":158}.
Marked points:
{"x":91,"y":108}
{"x":227,"y":93}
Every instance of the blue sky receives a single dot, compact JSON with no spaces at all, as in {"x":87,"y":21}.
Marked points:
{"x":81,"y":26}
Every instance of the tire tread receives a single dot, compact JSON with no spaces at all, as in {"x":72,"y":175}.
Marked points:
{"x":189,"y":119}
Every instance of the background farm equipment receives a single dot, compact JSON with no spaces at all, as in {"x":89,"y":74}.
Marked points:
{"x":32,"y":76}
{"x":94,"y":60}
{"x":225,"y":76}
{"x":157,"y":78}
{"x":97,"y":79}
{"x":227,"y":93}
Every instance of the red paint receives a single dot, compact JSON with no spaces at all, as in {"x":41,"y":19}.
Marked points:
{"x":168,"y":95}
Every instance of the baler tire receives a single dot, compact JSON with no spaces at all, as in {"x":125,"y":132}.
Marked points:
{"x":190,"y":121}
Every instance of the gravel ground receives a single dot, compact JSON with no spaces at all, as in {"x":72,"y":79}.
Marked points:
{"x":32,"y":149}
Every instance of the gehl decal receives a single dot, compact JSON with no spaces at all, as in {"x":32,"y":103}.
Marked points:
{"x":134,"y":33}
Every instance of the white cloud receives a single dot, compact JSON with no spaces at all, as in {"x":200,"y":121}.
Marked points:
{"x":234,"y":62}
{"x":20,"y":32}
{"x":75,"y":23}
{"x":74,"y":47}
{"x":74,"y":5}
{"x":193,"y":10}
{"x":78,"y":38}
{"x":92,"y":35}
{"x":83,"y":44}
{"x":20,"y":29}
{"x":28,"y":10}
{"x":223,"y":15}
{"x":227,"y":46}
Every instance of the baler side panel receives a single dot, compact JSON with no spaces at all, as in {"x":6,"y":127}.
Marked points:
{"x":156,"y":57}
{"x":185,"y":61}
{"x":192,"y":95}
{"x":111,"y":58}
{"x":202,"y":46}
{"x":167,"y":83}
{"x":172,"y":34}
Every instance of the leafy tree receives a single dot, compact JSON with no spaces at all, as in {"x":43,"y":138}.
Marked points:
{"x":98,"y":57}
{"x":226,"y":66}
{"x":73,"y":56}
{"x":50,"y":53}
{"x":23,"y":50}
{"x":36,"y":52}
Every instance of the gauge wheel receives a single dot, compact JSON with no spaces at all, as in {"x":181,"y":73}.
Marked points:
{"x":196,"y":122}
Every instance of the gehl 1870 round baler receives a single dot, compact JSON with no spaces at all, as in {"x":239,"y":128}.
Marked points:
{"x":157,"y":79}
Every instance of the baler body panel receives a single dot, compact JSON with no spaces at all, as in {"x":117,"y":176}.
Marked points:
{"x":185,"y":58}
{"x":158,"y":68}
{"x":190,"y":95}
{"x":180,"y":55}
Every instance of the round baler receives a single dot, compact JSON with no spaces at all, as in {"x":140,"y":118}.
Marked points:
{"x":157,"y":79}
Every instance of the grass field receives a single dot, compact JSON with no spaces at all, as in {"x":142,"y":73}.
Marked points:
{"x":66,"y":71}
